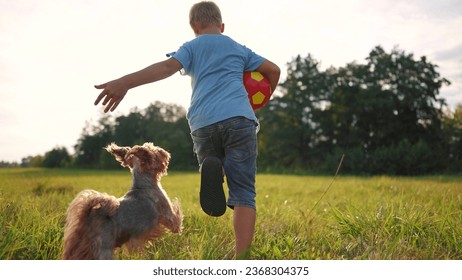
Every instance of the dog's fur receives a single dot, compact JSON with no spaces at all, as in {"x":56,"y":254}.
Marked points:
{"x":97,"y":223}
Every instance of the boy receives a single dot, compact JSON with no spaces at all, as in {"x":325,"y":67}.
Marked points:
{"x":223,"y":124}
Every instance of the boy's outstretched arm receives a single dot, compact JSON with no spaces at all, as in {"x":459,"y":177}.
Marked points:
{"x":270,"y":71}
{"x":114,"y":91}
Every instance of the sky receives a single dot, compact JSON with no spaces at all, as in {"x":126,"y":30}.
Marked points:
{"x":52,"y":52}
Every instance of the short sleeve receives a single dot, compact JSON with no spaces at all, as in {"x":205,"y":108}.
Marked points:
{"x":184,"y":56}
{"x":253,"y":60}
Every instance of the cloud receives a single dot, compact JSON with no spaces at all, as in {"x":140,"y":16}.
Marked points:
{"x":441,"y":9}
{"x":452,"y":53}
{"x":449,"y":61}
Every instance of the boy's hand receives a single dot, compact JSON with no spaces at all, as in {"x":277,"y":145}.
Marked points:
{"x":113,"y":92}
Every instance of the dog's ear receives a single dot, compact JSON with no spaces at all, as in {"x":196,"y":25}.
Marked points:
{"x":118,"y":152}
{"x":162,"y":158}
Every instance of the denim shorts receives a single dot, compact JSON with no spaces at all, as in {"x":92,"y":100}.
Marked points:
{"x":234,"y":141}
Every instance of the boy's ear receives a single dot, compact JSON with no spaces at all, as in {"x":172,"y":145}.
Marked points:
{"x":118,"y":152}
{"x":194,"y":28}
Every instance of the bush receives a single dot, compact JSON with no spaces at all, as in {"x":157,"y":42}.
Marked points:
{"x":402,"y":159}
{"x":58,"y":157}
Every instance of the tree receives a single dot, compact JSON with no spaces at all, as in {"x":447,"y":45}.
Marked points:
{"x":393,"y":101}
{"x":404,"y":94}
{"x":32,"y":161}
{"x":163,"y":124}
{"x":36,"y":161}
{"x":452,"y":127}
{"x":291,"y":134}
{"x":89,"y":147}
{"x":57,"y":157}
{"x":374,"y":112}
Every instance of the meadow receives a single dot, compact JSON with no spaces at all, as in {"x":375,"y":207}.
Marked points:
{"x":359,"y":218}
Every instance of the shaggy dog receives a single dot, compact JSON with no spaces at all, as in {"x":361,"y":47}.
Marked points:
{"x":97,"y":223}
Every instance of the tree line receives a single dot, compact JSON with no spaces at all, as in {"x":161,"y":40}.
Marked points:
{"x":384,"y":115}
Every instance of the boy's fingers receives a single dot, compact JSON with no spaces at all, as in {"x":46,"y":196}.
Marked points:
{"x":113,"y":107}
{"x":100,"y":96}
{"x":108,"y":107}
{"x":102,"y":86}
{"x":107,"y":99}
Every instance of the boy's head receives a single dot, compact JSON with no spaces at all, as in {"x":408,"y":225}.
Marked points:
{"x":205,"y":14}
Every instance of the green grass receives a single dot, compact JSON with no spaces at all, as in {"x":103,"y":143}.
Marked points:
{"x":397,"y":218}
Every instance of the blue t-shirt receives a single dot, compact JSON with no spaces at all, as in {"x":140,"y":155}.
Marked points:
{"x":216,"y":63}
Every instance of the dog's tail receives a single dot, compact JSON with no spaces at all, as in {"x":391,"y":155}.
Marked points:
{"x":86,"y":217}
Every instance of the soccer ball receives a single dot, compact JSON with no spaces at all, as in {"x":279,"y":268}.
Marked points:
{"x":258,"y":89}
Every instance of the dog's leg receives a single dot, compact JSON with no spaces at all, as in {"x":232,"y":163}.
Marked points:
{"x":172,"y":218}
{"x":138,"y":243}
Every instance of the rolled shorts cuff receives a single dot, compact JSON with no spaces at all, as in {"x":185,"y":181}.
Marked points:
{"x":232,"y":203}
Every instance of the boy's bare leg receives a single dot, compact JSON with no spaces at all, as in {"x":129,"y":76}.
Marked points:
{"x":244,"y":227}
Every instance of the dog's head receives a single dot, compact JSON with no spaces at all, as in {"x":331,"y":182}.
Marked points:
{"x":145,"y":158}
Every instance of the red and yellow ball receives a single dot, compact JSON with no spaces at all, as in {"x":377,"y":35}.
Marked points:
{"x":258,"y":89}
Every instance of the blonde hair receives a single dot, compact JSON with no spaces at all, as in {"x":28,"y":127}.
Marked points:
{"x":205,"y":13}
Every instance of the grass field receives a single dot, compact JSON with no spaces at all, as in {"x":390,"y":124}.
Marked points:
{"x":385,"y":218}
